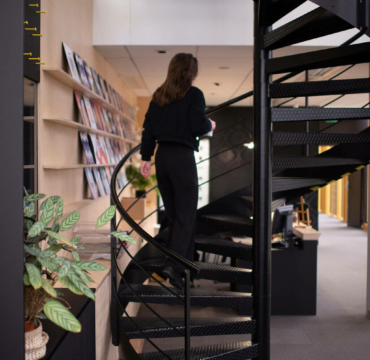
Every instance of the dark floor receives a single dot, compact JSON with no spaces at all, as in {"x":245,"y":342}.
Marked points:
{"x":340,"y":330}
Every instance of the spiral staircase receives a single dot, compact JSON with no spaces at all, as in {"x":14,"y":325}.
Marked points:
{"x":277,"y":179}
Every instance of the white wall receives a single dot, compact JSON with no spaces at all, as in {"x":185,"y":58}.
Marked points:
{"x":173,"y":22}
{"x":190,"y":22}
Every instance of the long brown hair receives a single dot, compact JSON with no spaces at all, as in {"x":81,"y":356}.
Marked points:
{"x":183,"y":69}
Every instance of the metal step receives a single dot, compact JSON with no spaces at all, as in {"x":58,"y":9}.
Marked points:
{"x":238,"y":225}
{"x":276,"y":9}
{"x":282,"y":138}
{"x":319,"y":88}
{"x":290,"y":114}
{"x":198,"y":297}
{"x":155,"y":328}
{"x":295,"y":162}
{"x":234,"y":351}
{"x":340,"y":56}
{"x":215,"y":272}
{"x":274,"y":204}
{"x":286,"y":184}
{"x":224,"y":247}
{"x":312,"y":25}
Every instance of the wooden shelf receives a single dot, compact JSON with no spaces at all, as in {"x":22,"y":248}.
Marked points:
{"x":68,"y":80}
{"x":70,"y":208}
{"x":88,"y":129}
{"x":75,"y":166}
{"x":30,"y":119}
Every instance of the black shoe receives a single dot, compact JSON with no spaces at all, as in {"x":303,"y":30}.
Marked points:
{"x":174,"y":278}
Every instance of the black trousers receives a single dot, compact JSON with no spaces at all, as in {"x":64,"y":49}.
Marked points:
{"x":178,"y":183}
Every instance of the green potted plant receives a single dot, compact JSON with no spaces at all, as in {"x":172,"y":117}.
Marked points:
{"x":139,"y":182}
{"x":49,"y":257}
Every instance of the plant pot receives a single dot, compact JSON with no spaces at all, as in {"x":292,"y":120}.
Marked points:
{"x":138,"y":193}
{"x":35,"y":343}
{"x":29,"y":326}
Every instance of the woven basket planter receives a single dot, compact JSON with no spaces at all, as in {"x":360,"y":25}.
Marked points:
{"x":36,"y":341}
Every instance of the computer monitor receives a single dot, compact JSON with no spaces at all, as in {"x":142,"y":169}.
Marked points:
{"x":283,"y":221}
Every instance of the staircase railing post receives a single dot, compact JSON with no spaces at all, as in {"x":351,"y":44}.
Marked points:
{"x":114,"y":314}
{"x":187,"y":314}
{"x":261,"y":192}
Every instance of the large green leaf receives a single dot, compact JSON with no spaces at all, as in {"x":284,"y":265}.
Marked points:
{"x":58,"y":259}
{"x":48,"y":264}
{"x":124,"y":237}
{"x":76,"y":255}
{"x":75,"y":240}
{"x":33,"y":250}
{"x":48,"y":287}
{"x":52,"y":250}
{"x":60,"y":238}
{"x":36,"y":228}
{"x":30,"y":210}
{"x":81,"y":285}
{"x":86,"y":278}
{"x":61,"y":316}
{"x":26,"y":279}
{"x":106,"y":216}
{"x":47,"y":213}
{"x":69,"y":284}
{"x":33,"y":197}
{"x":89,"y":266}
{"x":59,"y":208}
{"x":27,"y":223}
{"x":35,"y":275}
{"x":55,"y":226}
{"x":69,"y":221}
{"x":65,"y":268}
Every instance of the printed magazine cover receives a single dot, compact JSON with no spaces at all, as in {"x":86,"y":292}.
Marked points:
{"x":90,"y":112}
{"x":71,"y":62}
{"x":87,"y":149}
{"x":81,"y":108}
{"x":91,"y":182}
{"x":99,"y":181}
{"x":81,"y":70}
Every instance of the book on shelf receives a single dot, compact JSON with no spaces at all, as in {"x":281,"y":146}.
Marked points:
{"x":97,"y":87}
{"x":81,"y":70}
{"x":105,"y":180}
{"x":90,"y":112}
{"x":99,"y":181}
{"x":89,"y":76}
{"x":71,"y":62}
{"x":81,"y":108}
{"x":91,"y":183}
{"x":86,"y":146}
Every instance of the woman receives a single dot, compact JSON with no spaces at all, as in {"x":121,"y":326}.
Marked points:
{"x":175,"y":119}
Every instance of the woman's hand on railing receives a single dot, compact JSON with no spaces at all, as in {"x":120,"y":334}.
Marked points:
{"x":213,"y":124}
{"x":145,"y":169}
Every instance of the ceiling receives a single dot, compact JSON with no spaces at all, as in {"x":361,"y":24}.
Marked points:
{"x":231,"y":67}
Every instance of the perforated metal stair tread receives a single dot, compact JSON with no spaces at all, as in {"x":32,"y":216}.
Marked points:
{"x":320,"y":88}
{"x":295,"y":162}
{"x":238,"y":225}
{"x":282,"y":114}
{"x":154,"y":327}
{"x":315,"y":24}
{"x":286,"y":184}
{"x":234,"y":351}
{"x":216,"y":272}
{"x":198,"y":297}
{"x":274,"y":204}
{"x":339,"y":56}
{"x":224,"y":248}
{"x":283,"y":138}
{"x":279,"y":8}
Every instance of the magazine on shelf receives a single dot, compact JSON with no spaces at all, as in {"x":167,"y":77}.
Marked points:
{"x":111,"y":157}
{"x":104,"y":89}
{"x":110,"y":93}
{"x":99,"y":181}
{"x":91,"y":182}
{"x":81,"y":70}
{"x":97,"y":87}
{"x":100,"y":157}
{"x":81,"y":108}
{"x":112,"y":124}
{"x":89,"y":77}
{"x":108,"y":171}
{"x":87,"y":149}
{"x":106,"y":120}
{"x":105,"y":150}
{"x":90,"y":112}
{"x":128,"y":131}
{"x":118,"y":124}
{"x":104,"y":177}
{"x":97,"y":112}
{"x":71,"y":62}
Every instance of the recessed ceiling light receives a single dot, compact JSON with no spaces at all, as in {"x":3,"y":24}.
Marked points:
{"x":224,"y":67}
{"x":162,"y":51}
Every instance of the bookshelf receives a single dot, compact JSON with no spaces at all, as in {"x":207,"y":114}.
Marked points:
{"x":68,"y":80}
{"x":88,"y":129}
{"x":75,"y":166}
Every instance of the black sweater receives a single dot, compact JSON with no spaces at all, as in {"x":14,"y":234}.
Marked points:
{"x":182,"y":121}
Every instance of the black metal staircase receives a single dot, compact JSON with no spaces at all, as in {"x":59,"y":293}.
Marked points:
{"x":277,"y":178}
